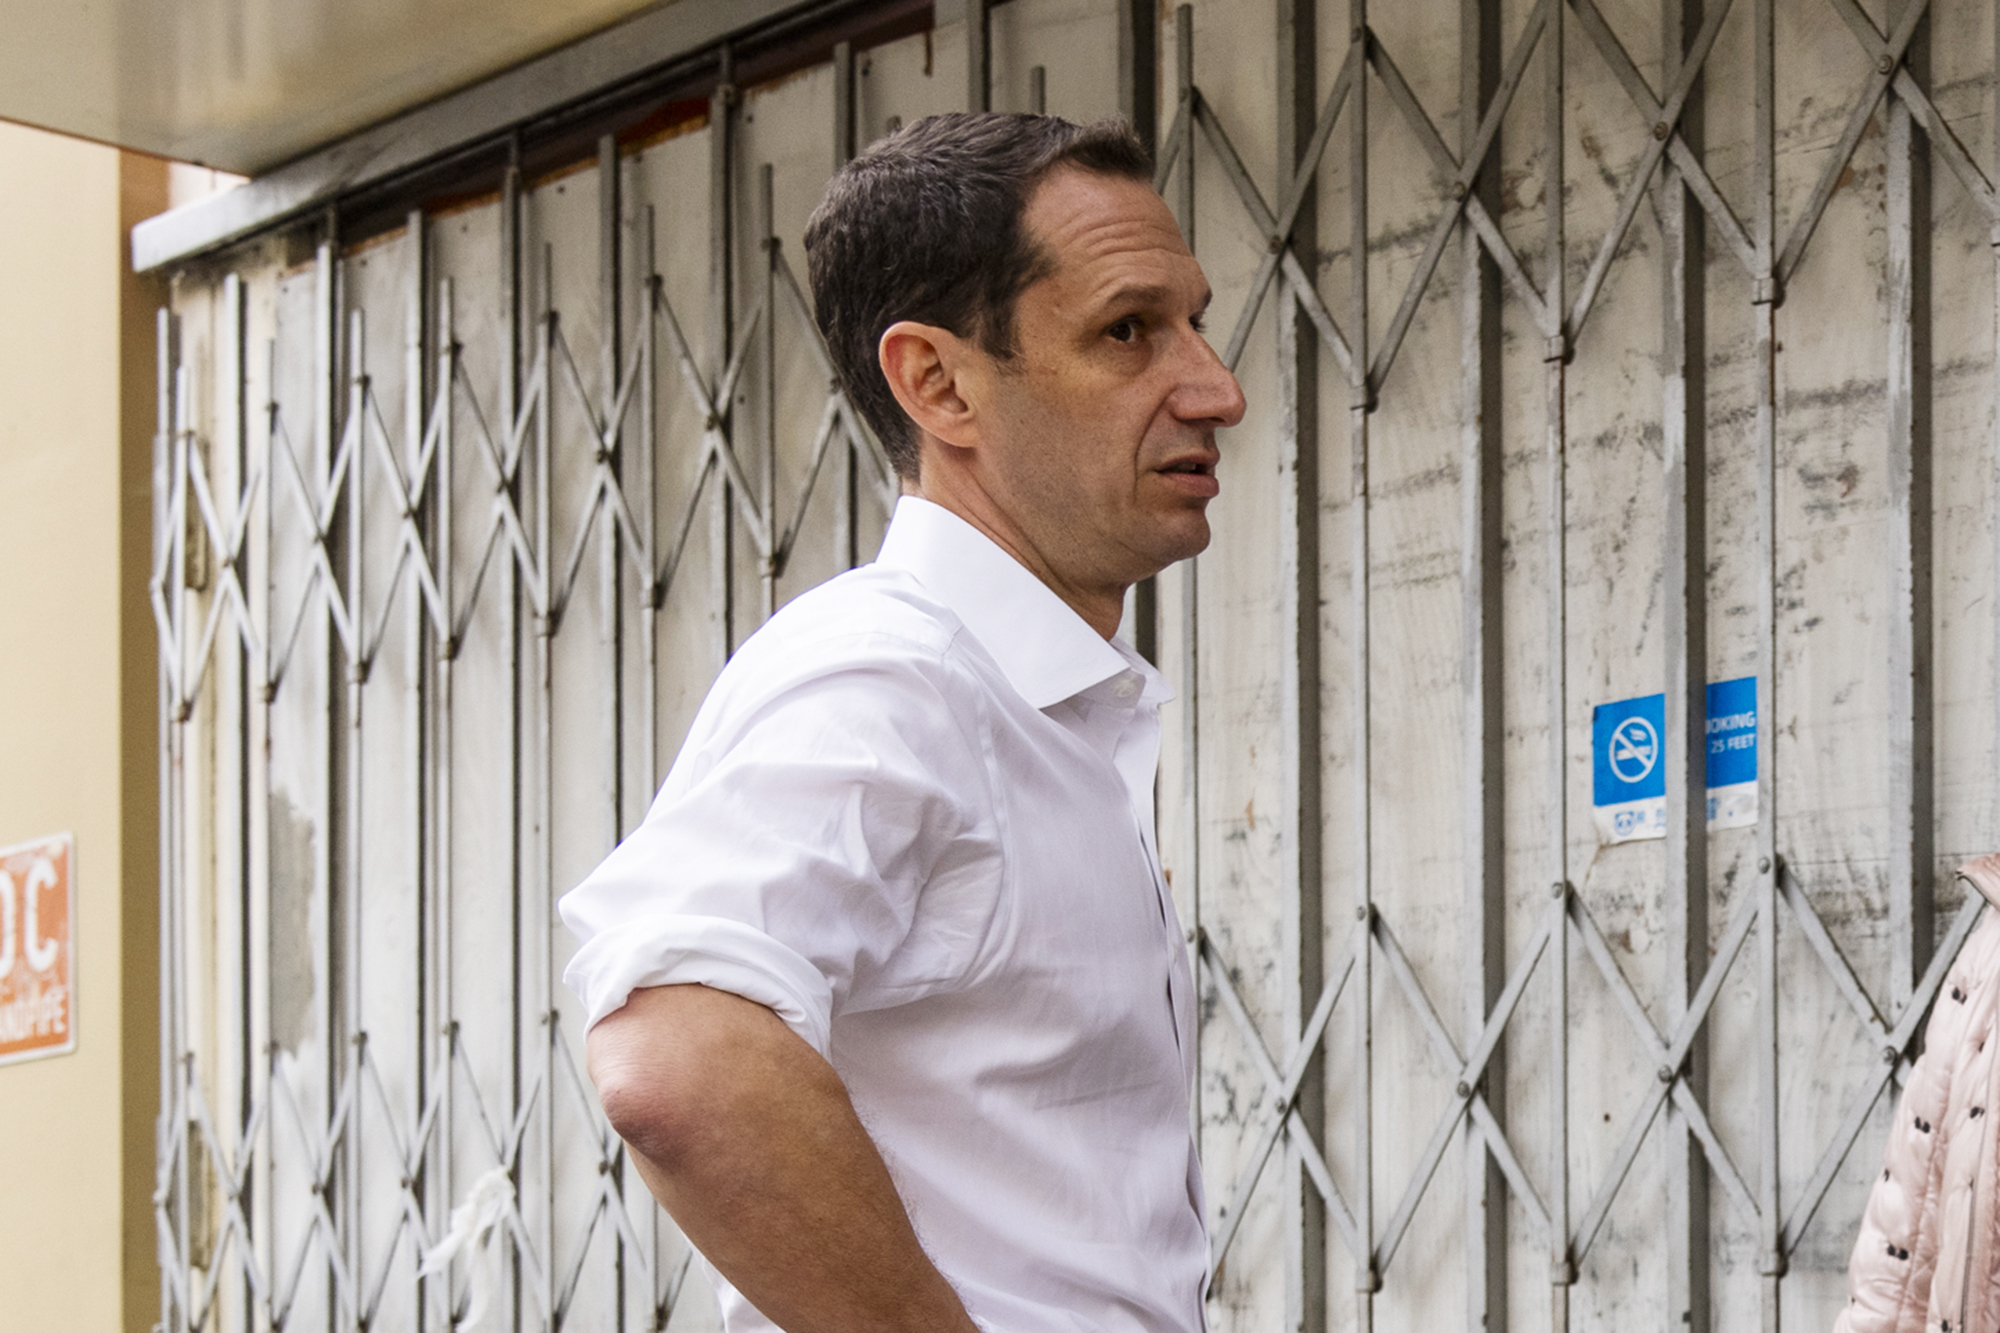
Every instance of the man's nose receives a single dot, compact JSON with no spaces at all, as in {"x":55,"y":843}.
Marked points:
{"x":1208,"y":390}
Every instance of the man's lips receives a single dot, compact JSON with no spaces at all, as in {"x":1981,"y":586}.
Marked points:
{"x":1194,"y":476}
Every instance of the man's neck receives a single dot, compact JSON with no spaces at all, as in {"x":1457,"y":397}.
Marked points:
{"x":1102,"y":609}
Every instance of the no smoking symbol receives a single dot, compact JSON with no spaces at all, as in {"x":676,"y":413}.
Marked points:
{"x":1635,"y":748}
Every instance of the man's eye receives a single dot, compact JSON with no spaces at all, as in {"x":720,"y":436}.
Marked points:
{"x":1199,"y":323}
{"x":1125,"y":330}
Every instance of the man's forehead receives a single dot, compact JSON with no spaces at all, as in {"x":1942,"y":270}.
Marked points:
{"x":1107,"y":232}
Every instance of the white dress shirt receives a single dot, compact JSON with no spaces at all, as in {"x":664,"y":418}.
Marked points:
{"x":914,"y":818}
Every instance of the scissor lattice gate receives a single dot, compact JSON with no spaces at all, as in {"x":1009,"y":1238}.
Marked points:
{"x":1692,"y":301}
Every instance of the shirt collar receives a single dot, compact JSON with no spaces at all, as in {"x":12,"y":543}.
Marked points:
{"x":1046,"y":650}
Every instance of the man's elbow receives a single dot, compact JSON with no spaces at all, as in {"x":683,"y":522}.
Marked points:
{"x":646,"y":1068}
{"x":678,"y":1067}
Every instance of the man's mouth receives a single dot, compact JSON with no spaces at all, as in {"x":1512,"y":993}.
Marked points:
{"x":1195,"y":477}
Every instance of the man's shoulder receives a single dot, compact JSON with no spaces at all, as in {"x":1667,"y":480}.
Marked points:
{"x":874,"y":618}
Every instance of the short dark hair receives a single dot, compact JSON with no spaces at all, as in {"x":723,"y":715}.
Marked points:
{"x":926,"y":225}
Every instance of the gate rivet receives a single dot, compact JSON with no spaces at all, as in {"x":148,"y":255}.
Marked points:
{"x":1666,"y":1074}
{"x":1556,"y":889}
{"x":1885,"y":64}
{"x":1888,"y":1055}
{"x":1361,"y":914}
{"x":1763,"y":865}
{"x":1661,"y":130}
{"x":1465,"y":1090}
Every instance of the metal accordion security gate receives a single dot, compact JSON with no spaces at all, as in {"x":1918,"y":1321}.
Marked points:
{"x":1593,"y":349}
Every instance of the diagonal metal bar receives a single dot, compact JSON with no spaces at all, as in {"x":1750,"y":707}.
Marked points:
{"x":1464,"y":201}
{"x":715,"y":437}
{"x":1282,"y":1089}
{"x":886,"y":485}
{"x":1523,"y":1189}
{"x":664,"y":580}
{"x":1898,"y":1040}
{"x":566,"y":1292}
{"x":795,"y":296}
{"x":407,"y":497}
{"x":1232,"y":166}
{"x":1670,"y":1072}
{"x":1470,"y":1071}
{"x":1947,"y":143}
{"x":231,"y":1169}
{"x":829,"y":418}
{"x":1742,"y":919}
{"x":1720,"y":214}
{"x":1873,"y":87}
{"x":1278,"y":255}
{"x":1295,"y":193}
{"x":1599,"y":950}
{"x":1793,"y":895}
{"x":1175,"y":144}
{"x":1307,"y":296}
{"x":1719,"y":1160}
{"x":1253,"y":302}
{"x":1649,"y":162}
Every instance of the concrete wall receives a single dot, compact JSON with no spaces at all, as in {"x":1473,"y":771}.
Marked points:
{"x":78,"y":733}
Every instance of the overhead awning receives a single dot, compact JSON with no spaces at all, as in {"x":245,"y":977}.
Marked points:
{"x":245,"y":85}
{"x":332,"y":104}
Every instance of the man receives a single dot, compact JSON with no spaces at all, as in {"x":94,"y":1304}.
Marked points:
{"x":890,"y":1002}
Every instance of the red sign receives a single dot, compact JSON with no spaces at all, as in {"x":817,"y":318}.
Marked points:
{"x":37,"y":949}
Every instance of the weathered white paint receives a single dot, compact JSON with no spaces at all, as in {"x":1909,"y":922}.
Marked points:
{"x":436,"y":915}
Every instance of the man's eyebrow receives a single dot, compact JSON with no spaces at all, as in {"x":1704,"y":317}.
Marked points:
{"x":1149,"y":293}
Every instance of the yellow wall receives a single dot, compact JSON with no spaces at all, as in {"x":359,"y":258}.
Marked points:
{"x":77,"y":720}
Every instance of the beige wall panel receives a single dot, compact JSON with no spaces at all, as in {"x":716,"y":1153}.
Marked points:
{"x":76,"y":723}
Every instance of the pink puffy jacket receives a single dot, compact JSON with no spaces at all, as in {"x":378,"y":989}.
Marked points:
{"x":1928,"y":1256}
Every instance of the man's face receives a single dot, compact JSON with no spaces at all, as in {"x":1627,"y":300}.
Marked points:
{"x":1101,"y":440}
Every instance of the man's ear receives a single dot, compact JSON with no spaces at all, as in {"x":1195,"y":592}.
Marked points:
{"x":927,"y":369}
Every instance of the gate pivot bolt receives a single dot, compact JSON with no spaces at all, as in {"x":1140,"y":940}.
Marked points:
{"x":1763,"y":865}
{"x":1889,"y":1056}
{"x":1661,"y":130}
{"x":1556,"y":889}
{"x":1666,"y":1074}
{"x":1885,"y":64}
{"x":1465,"y":1090}
{"x":1361,"y":914}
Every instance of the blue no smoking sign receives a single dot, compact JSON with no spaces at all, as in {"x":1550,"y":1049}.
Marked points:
{"x":1629,"y":773}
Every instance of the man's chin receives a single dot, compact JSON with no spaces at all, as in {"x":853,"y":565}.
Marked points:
{"x":1190,"y":539}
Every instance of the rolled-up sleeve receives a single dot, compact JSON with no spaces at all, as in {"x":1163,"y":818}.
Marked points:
{"x":810,"y":851}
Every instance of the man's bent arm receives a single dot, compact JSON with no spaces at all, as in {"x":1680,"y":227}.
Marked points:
{"x":748,"y":1138}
